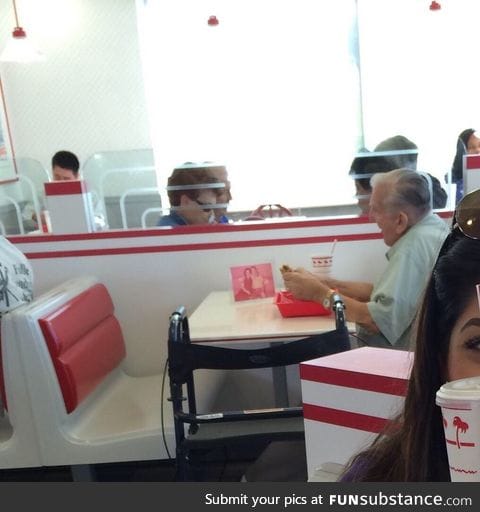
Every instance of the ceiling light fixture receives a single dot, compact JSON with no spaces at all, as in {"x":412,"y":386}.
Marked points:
{"x":19,"y":48}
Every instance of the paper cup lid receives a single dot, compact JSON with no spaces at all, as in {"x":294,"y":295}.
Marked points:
{"x":459,"y":390}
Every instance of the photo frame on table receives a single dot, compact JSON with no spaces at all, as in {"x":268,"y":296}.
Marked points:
{"x":8,"y":170}
{"x":252,"y":281}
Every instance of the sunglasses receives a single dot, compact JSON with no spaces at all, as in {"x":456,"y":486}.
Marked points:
{"x":467,"y":215}
{"x":204,"y":206}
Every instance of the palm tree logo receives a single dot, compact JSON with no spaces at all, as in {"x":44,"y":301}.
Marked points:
{"x":461,"y":427}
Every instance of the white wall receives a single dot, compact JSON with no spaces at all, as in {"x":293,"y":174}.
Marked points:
{"x":87,"y":96}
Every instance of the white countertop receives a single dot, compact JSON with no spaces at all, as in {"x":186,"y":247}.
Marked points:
{"x":220,"y":318}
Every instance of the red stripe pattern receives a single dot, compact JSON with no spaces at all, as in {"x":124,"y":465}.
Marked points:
{"x":356,"y":380}
{"x":65,"y":188}
{"x":473,"y":162}
{"x":344,"y":418}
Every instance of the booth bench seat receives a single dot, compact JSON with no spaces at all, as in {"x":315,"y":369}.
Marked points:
{"x":85,"y":408}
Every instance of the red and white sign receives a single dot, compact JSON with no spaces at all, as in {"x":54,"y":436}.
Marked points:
{"x":70,"y":207}
{"x":471,"y":173}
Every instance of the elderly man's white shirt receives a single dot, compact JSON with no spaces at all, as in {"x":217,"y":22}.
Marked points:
{"x":396,"y":294}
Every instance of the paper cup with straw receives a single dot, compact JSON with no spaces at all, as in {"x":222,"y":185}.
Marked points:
{"x":322,"y":263}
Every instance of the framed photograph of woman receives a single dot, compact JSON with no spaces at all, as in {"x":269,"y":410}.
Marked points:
{"x":8,"y":171}
{"x":252,"y":281}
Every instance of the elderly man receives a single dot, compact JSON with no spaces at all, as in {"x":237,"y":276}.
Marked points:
{"x":384,"y":311}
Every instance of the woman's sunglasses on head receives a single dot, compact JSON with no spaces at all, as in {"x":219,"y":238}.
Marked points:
{"x":467,"y":215}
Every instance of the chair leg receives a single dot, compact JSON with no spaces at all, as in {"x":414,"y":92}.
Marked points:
{"x":83,"y":473}
{"x":180,"y":466}
{"x":188,"y":468}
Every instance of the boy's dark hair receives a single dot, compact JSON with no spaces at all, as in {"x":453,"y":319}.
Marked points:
{"x":66,"y":160}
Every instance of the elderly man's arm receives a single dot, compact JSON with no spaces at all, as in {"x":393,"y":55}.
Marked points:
{"x":306,"y":286}
{"x":357,"y":290}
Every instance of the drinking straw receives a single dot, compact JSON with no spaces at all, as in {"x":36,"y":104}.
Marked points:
{"x":333,"y":247}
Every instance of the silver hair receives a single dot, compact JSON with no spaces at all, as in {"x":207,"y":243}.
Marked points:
{"x":408,"y":190}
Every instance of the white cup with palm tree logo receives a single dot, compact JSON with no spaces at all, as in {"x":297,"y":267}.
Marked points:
{"x":460,"y":404}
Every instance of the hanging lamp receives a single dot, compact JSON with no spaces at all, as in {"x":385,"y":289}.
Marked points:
{"x":19,"y":48}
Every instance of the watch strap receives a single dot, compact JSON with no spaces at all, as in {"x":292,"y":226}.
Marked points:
{"x":327,"y":301}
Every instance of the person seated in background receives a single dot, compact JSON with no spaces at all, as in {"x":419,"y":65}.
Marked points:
{"x":384,"y":311}
{"x":362,"y":168}
{"x":16,"y":277}
{"x":446,"y":349}
{"x":65,"y":167}
{"x":468,"y":143}
{"x":192,"y":193}
{"x":224,"y":195}
{"x":16,"y":286}
{"x":393,"y":153}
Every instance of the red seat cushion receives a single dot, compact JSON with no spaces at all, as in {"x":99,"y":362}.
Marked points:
{"x":85,"y":343}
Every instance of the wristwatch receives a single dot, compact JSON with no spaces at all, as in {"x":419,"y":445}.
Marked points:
{"x":327,"y":301}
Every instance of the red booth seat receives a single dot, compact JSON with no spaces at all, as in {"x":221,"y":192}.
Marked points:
{"x":85,"y":342}
{"x":86,"y":408}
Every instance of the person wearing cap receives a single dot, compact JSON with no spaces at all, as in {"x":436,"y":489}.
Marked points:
{"x":468,"y":143}
{"x":192,"y":193}
{"x":384,"y":310}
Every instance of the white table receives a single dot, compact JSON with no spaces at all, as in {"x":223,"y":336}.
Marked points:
{"x":219,"y":319}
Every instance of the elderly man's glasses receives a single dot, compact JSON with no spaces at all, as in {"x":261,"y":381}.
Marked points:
{"x":467,"y":215}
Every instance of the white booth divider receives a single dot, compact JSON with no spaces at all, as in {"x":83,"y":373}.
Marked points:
{"x":150,"y":272}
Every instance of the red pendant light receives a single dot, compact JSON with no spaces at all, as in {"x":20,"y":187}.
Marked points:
{"x":19,"y":47}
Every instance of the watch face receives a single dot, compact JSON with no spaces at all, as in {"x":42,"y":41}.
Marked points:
{"x":326,"y":302}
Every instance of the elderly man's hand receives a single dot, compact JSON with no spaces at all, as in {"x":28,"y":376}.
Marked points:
{"x":304,"y":285}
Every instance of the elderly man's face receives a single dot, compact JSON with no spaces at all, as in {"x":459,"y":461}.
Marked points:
{"x":389,"y":222}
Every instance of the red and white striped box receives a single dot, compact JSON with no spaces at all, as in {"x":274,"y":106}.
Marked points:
{"x":69,"y":204}
{"x":471,"y":173}
{"x":348,"y":398}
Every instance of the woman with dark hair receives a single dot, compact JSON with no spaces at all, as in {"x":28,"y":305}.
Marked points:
{"x":447,"y":348}
{"x":245,"y":291}
{"x":468,"y":143}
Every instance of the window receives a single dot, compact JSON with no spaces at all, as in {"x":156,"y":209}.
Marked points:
{"x":284,"y":92}
{"x":272,"y":91}
{"x":419,"y":75}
